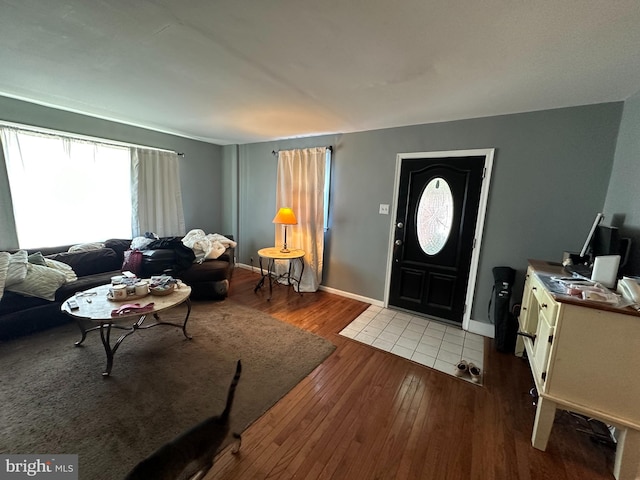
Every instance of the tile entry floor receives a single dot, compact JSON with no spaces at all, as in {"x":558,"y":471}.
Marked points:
{"x":419,"y":339}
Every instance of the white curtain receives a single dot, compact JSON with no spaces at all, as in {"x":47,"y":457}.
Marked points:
{"x":301,"y":186}
{"x":8,"y":234}
{"x":156,"y":193}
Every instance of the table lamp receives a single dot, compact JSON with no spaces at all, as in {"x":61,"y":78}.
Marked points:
{"x":285,"y":216}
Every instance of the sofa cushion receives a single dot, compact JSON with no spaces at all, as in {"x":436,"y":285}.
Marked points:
{"x":50,"y":250}
{"x":14,"y":302}
{"x":158,"y":262}
{"x":32,"y":319}
{"x":209,"y":271}
{"x":91,"y":262}
{"x":17,"y":270}
{"x":4,"y":266}
{"x":119,"y":245}
{"x":41,"y":282}
{"x":85,"y":247}
{"x":84,"y":283}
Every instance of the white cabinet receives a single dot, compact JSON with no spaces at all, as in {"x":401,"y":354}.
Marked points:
{"x":584,"y":358}
{"x":537,"y":320}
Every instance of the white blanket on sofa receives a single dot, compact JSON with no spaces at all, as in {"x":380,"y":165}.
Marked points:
{"x":207,"y":246}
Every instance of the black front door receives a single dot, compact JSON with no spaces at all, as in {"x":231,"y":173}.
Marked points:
{"x":437,"y":209}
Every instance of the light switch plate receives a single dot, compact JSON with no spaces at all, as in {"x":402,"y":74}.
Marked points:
{"x":384,"y":209}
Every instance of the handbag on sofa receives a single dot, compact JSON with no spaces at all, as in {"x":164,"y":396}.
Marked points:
{"x":132,"y":261}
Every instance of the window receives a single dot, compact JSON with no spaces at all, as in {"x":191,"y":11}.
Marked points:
{"x":435,"y":216}
{"x":66,"y":190}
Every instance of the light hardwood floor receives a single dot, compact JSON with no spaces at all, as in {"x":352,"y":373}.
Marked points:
{"x":367,"y":414}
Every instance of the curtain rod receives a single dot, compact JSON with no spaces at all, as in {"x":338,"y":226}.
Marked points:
{"x":275,"y":152}
{"x":60,"y":133}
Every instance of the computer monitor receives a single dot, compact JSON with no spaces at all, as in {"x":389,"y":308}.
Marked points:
{"x":592,"y":231}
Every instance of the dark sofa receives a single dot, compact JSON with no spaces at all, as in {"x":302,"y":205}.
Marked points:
{"x":23,"y":315}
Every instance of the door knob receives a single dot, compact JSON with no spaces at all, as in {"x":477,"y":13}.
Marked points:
{"x":398,"y":242}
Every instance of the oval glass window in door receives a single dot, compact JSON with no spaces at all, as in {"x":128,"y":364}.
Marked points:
{"x":434,"y":216}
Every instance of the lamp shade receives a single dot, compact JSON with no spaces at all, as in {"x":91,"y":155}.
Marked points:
{"x":285,"y":216}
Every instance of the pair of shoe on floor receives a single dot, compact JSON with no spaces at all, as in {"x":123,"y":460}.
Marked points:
{"x":463,"y":368}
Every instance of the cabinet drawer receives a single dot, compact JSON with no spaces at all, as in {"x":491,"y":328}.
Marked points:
{"x":529,"y":308}
{"x":547,"y":305}
{"x":536,"y":302}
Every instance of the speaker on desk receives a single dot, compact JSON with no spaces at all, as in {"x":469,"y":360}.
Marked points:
{"x":606,"y":241}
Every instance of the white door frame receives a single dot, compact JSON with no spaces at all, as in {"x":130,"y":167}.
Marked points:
{"x":488,"y":153}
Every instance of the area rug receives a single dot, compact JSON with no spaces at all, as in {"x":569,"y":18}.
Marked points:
{"x":55,"y":400}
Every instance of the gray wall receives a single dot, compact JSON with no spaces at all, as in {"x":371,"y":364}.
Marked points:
{"x":200,"y":168}
{"x":622,"y":206}
{"x":551,"y":173}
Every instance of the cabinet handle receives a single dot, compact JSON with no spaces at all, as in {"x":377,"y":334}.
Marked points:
{"x":544,"y":305}
{"x":528,"y":335}
{"x":534,"y":288}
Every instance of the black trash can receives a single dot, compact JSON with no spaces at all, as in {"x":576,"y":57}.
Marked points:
{"x":505,"y":321}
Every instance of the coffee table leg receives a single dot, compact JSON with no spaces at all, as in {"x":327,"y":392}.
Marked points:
{"x":83,"y":331}
{"x":159,"y":321}
{"x":184,"y":325}
{"x":107,"y":347}
{"x":106,"y":341}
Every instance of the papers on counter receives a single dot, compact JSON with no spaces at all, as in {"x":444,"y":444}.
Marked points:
{"x":587,"y":290}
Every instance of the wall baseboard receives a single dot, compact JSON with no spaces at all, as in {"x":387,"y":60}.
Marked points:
{"x":480,"y":328}
{"x":342,"y":293}
{"x":352,"y":296}
{"x":247,"y":267}
{"x":335,"y":291}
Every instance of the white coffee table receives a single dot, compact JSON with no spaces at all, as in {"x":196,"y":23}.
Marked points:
{"x":96,"y":308}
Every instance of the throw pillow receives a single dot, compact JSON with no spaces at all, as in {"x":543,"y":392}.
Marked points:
{"x":68,"y":272}
{"x":17,"y":268}
{"x":41,"y":282}
{"x":86,"y":247}
{"x":4,"y":266}
{"x":37,"y":259}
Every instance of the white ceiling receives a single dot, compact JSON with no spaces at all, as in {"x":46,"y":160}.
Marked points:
{"x":240,"y":71}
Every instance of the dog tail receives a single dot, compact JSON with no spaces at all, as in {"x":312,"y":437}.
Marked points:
{"x":232,"y":391}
